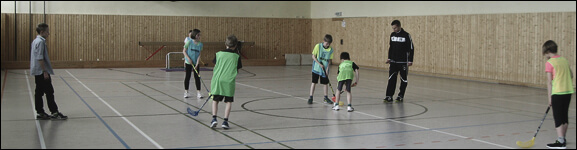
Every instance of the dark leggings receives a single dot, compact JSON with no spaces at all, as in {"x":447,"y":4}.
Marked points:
{"x":560,"y":104}
{"x":189,"y":70}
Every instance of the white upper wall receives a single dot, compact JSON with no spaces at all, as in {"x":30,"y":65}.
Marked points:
{"x":264,"y":9}
{"x":288,"y":9}
{"x":327,"y":9}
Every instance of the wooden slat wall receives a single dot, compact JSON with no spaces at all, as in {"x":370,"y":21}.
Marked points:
{"x":4,"y":31}
{"x":489,"y":47}
{"x":504,"y":48}
{"x":115,"y":38}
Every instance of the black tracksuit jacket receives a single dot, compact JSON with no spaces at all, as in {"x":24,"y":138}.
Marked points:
{"x":399,"y":44}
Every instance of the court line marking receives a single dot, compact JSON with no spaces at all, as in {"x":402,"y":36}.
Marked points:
{"x":360,"y":135}
{"x":385,"y":118}
{"x":117,"y":113}
{"x":187,"y":115}
{"x":495,"y":98}
{"x":38,"y":128}
{"x":97,"y":116}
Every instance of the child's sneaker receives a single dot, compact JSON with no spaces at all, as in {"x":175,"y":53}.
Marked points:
{"x":225,"y":125}
{"x":388,"y":99}
{"x":42,"y":116}
{"x":350,"y":109}
{"x":310,"y":101}
{"x":328,"y":101}
{"x":557,"y":145}
{"x":59,"y":116}
{"x":336,"y":107}
{"x":213,"y":123}
{"x":399,"y":99}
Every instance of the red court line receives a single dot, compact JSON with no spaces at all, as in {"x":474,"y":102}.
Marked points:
{"x":3,"y":85}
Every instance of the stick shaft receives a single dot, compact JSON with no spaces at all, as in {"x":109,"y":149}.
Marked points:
{"x":194,"y":68}
{"x":542,"y":121}
{"x":329,"y":81}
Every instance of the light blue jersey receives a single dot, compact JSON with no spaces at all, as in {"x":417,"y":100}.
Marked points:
{"x":193,"y":51}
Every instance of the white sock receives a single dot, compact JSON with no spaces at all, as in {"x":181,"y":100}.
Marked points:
{"x":561,"y":139}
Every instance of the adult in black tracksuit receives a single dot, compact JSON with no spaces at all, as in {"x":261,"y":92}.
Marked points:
{"x":400,"y":58}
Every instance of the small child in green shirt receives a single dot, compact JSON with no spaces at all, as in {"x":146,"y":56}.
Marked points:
{"x":223,"y":83}
{"x":346,"y":72}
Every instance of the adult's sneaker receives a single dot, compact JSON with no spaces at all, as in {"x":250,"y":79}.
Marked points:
{"x":557,"y":145}
{"x":310,"y":101}
{"x":388,"y":99}
{"x":350,"y":109}
{"x":59,"y":116}
{"x":328,"y":101}
{"x":399,"y":99}
{"x":185,"y":95}
{"x":336,"y":107}
{"x":225,"y":125}
{"x":42,"y":116}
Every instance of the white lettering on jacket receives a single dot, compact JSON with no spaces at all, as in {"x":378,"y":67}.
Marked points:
{"x":398,"y":39}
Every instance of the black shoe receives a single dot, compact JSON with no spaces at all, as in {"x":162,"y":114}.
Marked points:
{"x":310,"y":101}
{"x":328,"y":101}
{"x":59,"y":116}
{"x":213,"y":123}
{"x":388,"y":99}
{"x":399,"y":99}
{"x":557,"y":145}
{"x":42,"y":116}
{"x":225,"y":125}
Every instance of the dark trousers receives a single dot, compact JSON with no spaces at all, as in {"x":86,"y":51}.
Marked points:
{"x":44,"y":86}
{"x":189,"y":70}
{"x":394,"y":70}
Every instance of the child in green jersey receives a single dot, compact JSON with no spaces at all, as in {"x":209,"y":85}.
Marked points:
{"x":346,"y":72}
{"x":222,"y":85}
{"x":322,"y":56}
{"x":559,"y":91}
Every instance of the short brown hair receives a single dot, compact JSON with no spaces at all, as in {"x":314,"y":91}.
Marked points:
{"x":231,"y":41}
{"x":41,"y":27}
{"x":328,"y":38}
{"x":549,"y":47}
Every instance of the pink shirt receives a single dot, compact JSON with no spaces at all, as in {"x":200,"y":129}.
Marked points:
{"x":549,"y":67}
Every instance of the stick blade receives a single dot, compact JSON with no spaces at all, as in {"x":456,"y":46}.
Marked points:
{"x":526,"y":144}
{"x":193,"y":113}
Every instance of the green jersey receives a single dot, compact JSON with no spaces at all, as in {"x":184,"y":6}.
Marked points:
{"x":562,"y":76}
{"x":346,"y":71}
{"x":224,"y":74}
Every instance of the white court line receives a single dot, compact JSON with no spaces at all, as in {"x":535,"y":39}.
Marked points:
{"x":384,"y":118}
{"x":40,"y":135}
{"x":499,"y":99}
{"x":117,"y":113}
